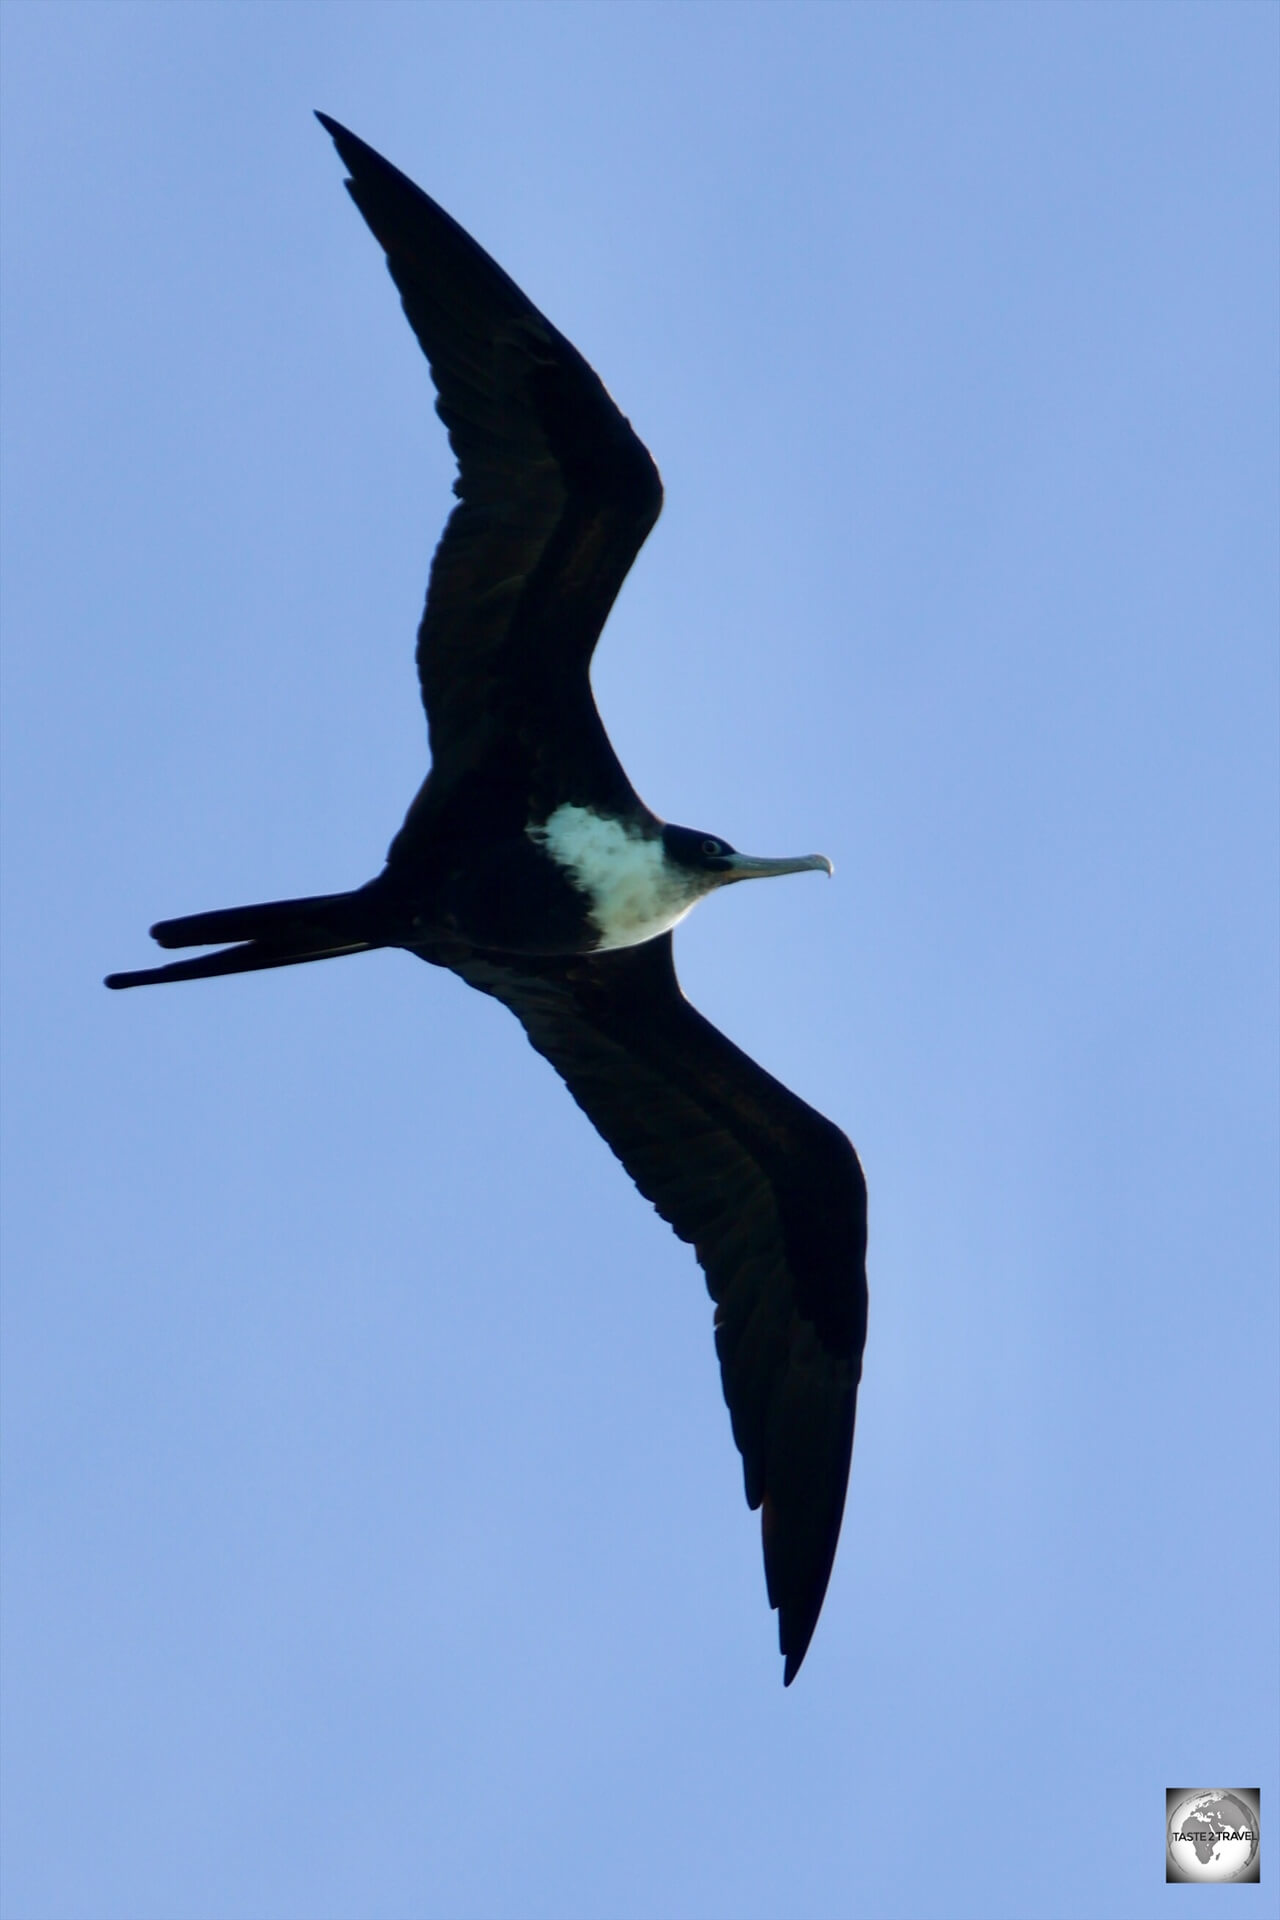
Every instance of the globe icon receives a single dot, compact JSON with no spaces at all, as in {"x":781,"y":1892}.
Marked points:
{"x":1213,"y":1836}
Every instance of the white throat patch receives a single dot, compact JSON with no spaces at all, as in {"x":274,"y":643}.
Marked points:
{"x":622,"y":871}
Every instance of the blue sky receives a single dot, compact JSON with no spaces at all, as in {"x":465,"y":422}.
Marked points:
{"x":374,"y":1540}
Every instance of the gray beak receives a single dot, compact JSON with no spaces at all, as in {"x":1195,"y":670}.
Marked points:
{"x":744,"y":866}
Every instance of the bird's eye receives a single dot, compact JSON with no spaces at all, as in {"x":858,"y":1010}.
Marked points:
{"x":712,"y":846}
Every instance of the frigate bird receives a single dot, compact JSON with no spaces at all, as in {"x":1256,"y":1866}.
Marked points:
{"x":528,"y":866}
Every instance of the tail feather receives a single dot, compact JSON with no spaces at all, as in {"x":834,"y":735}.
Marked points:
{"x":249,"y":958}
{"x":274,"y":933}
{"x":274,"y":920}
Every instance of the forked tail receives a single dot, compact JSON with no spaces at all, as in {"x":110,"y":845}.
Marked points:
{"x":275,"y":933}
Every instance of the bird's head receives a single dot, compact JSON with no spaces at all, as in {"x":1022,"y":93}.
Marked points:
{"x":714,"y":863}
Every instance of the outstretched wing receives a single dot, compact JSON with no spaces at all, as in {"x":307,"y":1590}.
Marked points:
{"x":556,"y":496}
{"x":772,"y":1198}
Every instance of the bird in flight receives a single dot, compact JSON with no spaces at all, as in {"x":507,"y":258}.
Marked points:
{"x":528,"y":865}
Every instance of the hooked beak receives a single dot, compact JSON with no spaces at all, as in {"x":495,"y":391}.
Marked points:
{"x":743,"y":866}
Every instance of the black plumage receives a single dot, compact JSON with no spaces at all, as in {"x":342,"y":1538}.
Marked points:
{"x":528,"y":866}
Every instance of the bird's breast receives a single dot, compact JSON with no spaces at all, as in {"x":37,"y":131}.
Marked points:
{"x":633,"y":891}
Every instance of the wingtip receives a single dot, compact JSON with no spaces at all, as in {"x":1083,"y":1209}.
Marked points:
{"x":342,"y":137}
{"x":793,"y":1657}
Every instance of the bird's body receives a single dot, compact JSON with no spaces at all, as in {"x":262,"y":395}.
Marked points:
{"x":528,"y":865}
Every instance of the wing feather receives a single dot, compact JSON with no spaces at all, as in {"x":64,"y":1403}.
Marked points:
{"x":772,"y":1198}
{"x":556,"y":495}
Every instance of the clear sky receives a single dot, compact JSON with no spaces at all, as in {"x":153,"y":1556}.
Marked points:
{"x":375,"y":1542}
